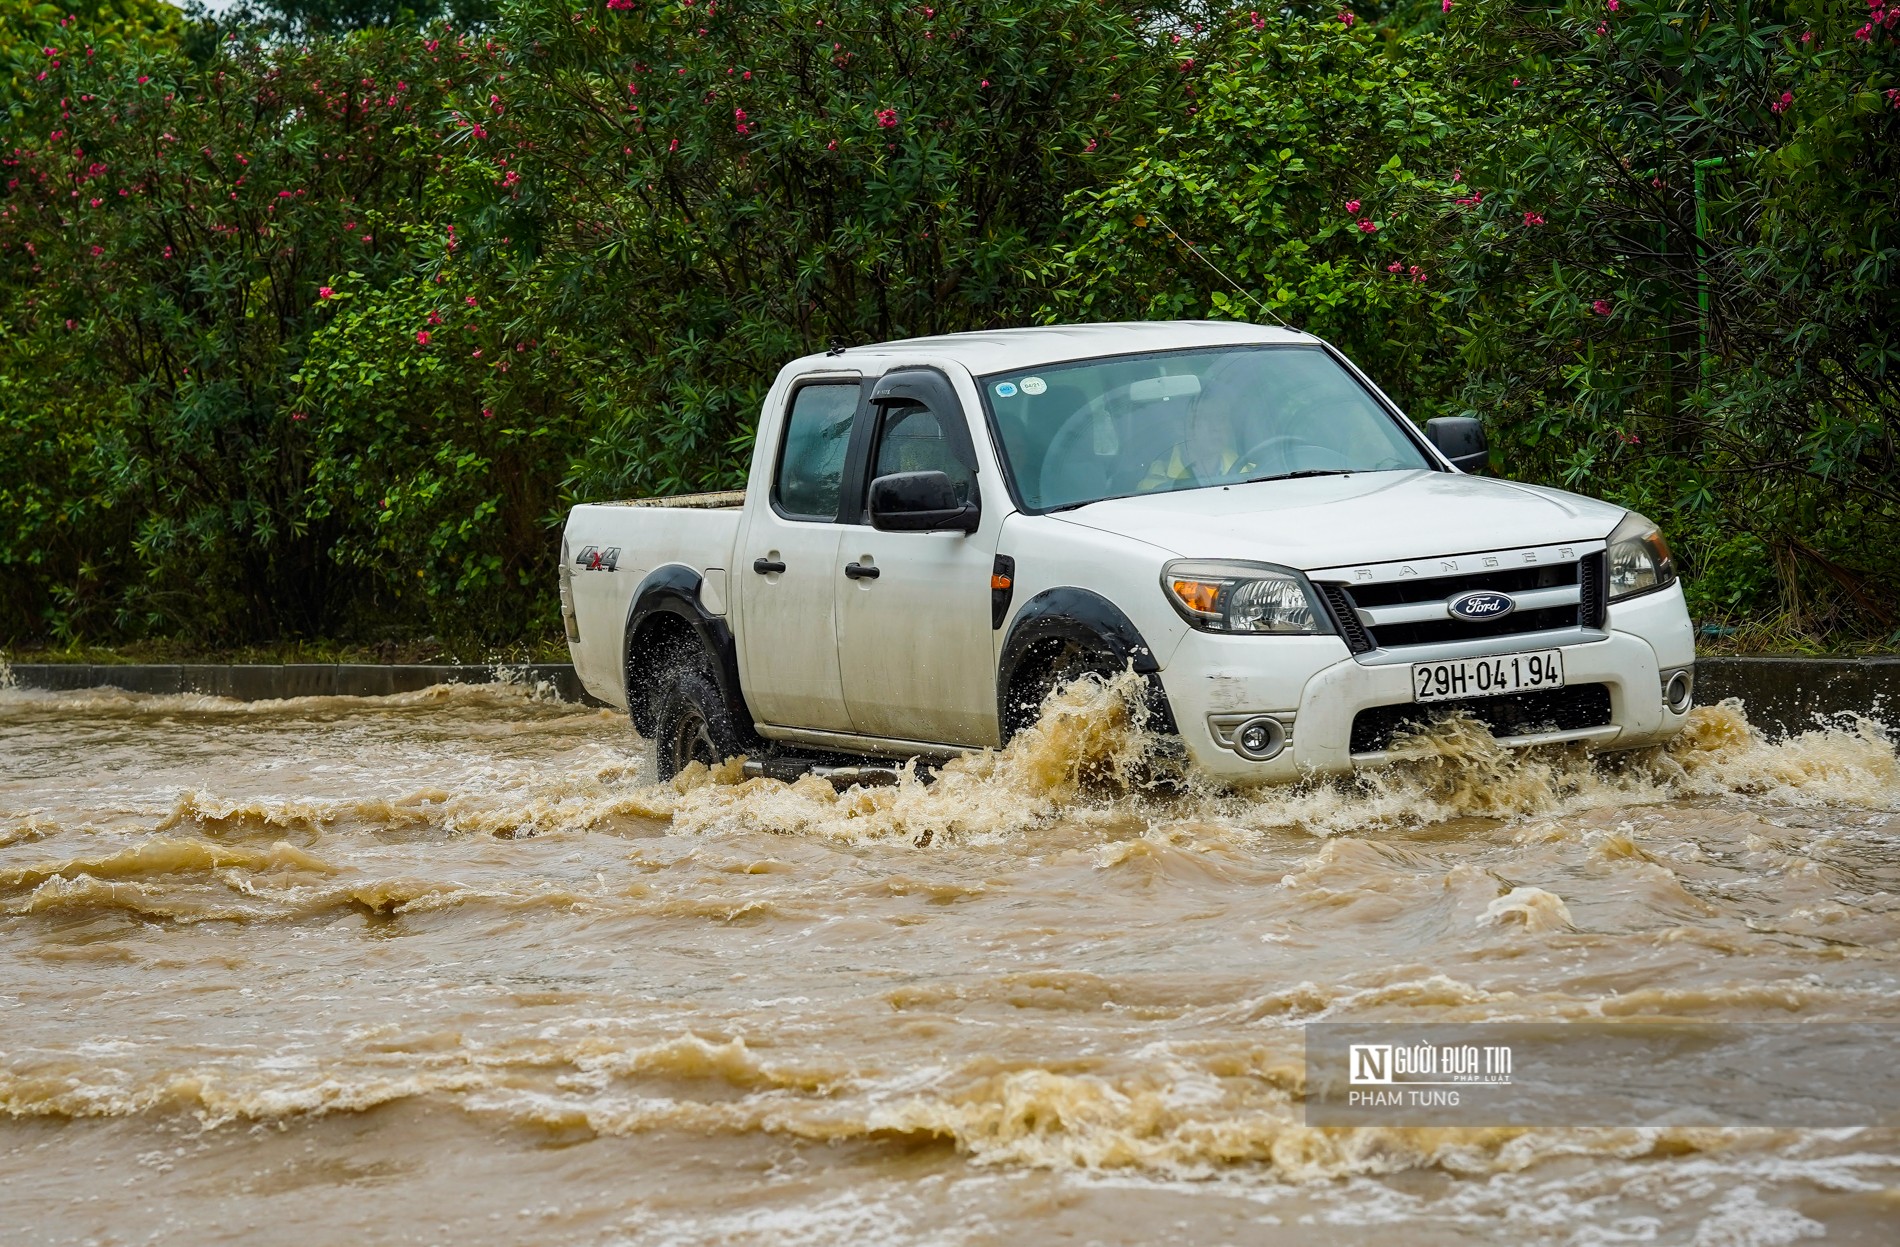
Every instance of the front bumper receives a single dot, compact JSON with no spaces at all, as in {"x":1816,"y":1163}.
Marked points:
{"x":1315,"y":688}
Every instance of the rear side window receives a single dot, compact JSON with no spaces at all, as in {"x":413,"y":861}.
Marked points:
{"x":811,"y":460}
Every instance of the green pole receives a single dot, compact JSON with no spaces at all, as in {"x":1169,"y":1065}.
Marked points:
{"x":1702,"y":256}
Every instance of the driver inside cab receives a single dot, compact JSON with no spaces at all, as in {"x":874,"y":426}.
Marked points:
{"x":1208,"y":452}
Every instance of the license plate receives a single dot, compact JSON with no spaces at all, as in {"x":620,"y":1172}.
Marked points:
{"x":1487,"y":677}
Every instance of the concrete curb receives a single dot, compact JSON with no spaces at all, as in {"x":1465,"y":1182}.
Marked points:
{"x":264,"y":682}
{"x":1782,"y":694}
{"x":1788,"y":694}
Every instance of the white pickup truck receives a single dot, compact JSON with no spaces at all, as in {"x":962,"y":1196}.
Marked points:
{"x":935,"y":532}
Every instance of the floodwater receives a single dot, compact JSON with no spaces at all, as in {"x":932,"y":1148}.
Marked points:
{"x":445,"y":968}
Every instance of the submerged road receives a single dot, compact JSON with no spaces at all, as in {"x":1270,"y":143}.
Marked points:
{"x":445,"y":967}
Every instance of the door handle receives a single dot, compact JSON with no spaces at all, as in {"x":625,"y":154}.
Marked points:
{"x":767,"y":567}
{"x":858,"y":571}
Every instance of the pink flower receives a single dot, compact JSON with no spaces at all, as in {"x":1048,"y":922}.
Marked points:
{"x":1865,"y":33}
{"x":1532,"y":218}
{"x":1615,"y":5}
{"x":324,"y":292}
{"x":1352,"y":207}
{"x":1517,"y":82}
{"x":1603,"y":30}
{"x":1781,"y":105}
{"x":1366,"y":226}
{"x":488,"y":413}
{"x":435,"y":318}
{"x":984,"y":83}
{"x":886,"y":118}
{"x":422,"y":337}
{"x":1394,"y":267}
{"x":296,"y":415}
{"x":673,"y":146}
{"x":1807,"y":36}
{"x":1259,"y":22}
{"x":1444,"y":6}
{"x":1346,"y":18}
{"x":619,"y":4}
{"x":470,"y":300}
{"x":1601,"y":307}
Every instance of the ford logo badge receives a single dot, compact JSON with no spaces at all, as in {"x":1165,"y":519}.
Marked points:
{"x":1480,"y":605}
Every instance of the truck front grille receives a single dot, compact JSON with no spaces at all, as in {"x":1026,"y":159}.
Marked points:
{"x":1413,"y":611}
{"x":1514,"y":714}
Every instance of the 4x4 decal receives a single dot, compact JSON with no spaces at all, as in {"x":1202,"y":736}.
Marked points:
{"x":595,"y":559}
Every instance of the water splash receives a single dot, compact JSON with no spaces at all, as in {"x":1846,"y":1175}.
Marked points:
{"x":1090,"y":756}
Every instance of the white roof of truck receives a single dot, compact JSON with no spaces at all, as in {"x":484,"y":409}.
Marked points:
{"x":1005,"y":350}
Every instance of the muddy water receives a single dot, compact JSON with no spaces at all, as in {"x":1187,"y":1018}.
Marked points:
{"x":445,"y":968}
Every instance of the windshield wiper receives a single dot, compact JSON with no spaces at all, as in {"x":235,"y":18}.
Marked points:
{"x":1294,"y":476}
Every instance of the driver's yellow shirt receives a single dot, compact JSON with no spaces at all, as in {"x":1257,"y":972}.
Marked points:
{"x":1173,"y":470}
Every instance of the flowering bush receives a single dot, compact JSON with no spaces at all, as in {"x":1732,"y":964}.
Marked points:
{"x":1573,"y":200}
{"x":320,"y":337}
{"x":311,"y":338}
{"x":1740,"y":162}
{"x":1305,"y":135}
{"x":177,"y":233}
{"x":707,"y":191}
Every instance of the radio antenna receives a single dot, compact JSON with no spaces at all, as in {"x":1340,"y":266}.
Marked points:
{"x":1219,"y":272}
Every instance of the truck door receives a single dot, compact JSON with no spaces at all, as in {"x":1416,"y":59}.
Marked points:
{"x":789,"y":557}
{"x":914,"y":635}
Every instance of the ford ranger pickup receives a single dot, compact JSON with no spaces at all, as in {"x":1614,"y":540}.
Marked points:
{"x":937,"y":532}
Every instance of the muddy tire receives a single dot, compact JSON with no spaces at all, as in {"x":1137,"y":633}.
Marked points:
{"x":691,"y":722}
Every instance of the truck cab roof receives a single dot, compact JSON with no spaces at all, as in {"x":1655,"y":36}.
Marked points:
{"x":1005,"y":350}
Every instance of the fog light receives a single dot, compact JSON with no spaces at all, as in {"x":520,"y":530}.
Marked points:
{"x":1259,"y":739}
{"x":1679,"y":692}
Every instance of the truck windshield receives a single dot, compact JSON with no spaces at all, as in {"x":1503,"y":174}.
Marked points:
{"x":1136,"y":424}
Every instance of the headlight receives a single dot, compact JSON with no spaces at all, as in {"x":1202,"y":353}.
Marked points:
{"x":1639,"y":559}
{"x":1244,"y":597}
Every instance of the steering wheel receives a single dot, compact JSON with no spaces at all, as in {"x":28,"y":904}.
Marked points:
{"x":1066,"y":474}
{"x":1071,"y":470}
{"x":1285,"y":446}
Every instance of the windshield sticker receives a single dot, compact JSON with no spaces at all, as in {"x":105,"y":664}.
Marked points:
{"x":1034,"y":385}
{"x":1006,"y":389}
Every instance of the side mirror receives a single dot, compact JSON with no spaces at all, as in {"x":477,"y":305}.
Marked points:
{"x":1461,"y":440}
{"x":919,"y":502}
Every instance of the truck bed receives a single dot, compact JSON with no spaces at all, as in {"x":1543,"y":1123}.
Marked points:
{"x":723,"y":500}
{"x":609,"y":547}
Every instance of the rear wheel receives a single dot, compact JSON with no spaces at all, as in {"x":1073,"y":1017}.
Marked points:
{"x":691,"y":722}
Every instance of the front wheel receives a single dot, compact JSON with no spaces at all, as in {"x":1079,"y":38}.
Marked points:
{"x":691,"y":723}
